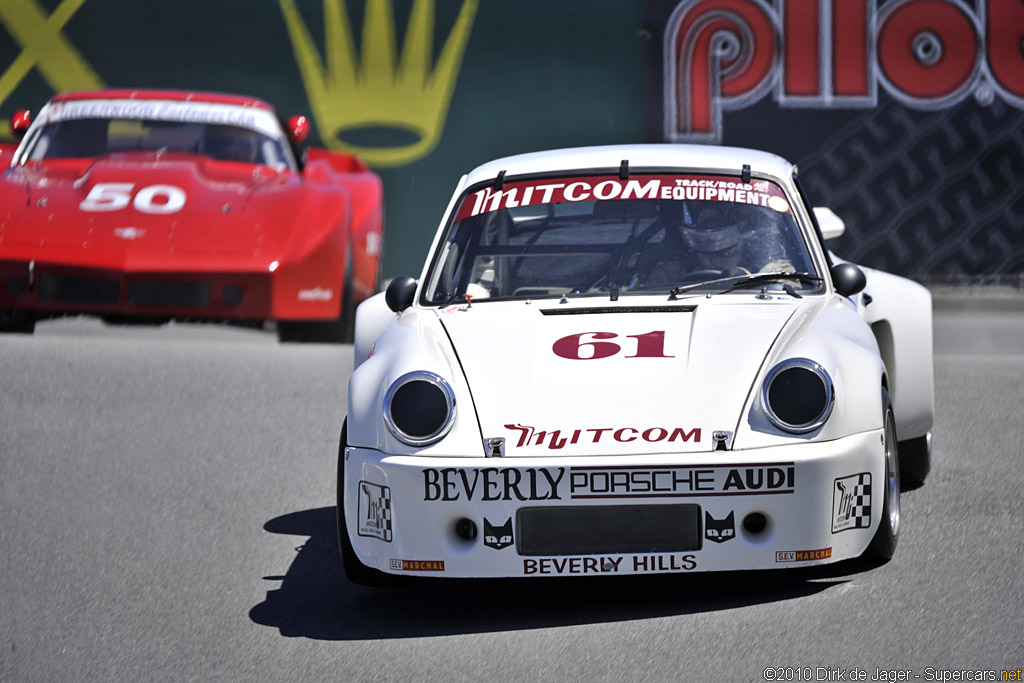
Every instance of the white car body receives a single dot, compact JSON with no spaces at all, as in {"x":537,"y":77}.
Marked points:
{"x":543,"y":438}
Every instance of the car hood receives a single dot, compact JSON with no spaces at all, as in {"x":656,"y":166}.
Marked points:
{"x":109,"y":206}
{"x":607,"y":378}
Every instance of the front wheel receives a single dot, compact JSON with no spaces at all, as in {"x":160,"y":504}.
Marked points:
{"x":17,"y":322}
{"x":357,"y":572}
{"x":883,"y":545}
{"x":338,"y":331}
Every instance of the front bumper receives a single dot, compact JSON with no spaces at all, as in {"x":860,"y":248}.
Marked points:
{"x":57,"y":288}
{"x":614,"y":515}
{"x":292,"y":293}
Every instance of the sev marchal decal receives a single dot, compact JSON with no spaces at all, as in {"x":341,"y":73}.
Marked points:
{"x":416,"y":565}
{"x":803,"y":555}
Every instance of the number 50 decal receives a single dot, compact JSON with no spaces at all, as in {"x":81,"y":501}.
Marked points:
{"x":116,"y":196}
{"x":649,"y":345}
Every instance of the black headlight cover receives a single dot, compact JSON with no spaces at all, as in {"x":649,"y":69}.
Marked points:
{"x":798,"y":395}
{"x":419,"y":408}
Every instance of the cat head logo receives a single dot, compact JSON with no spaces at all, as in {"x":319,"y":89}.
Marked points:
{"x":719,"y":530}
{"x":354,"y":101}
{"x":498,"y":537}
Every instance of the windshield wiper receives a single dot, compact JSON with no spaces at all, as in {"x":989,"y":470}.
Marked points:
{"x":758,"y":278}
{"x":737,"y":281}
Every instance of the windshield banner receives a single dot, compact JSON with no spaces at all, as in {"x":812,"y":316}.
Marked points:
{"x":599,"y":188}
{"x":260,"y":120}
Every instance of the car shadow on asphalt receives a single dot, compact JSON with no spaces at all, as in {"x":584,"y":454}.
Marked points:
{"x":315,"y":600}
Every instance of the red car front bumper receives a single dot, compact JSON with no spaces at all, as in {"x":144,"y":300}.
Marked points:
{"x":58,"y":289}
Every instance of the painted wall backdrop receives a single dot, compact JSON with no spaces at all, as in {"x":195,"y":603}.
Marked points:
{"x":905,"y":116}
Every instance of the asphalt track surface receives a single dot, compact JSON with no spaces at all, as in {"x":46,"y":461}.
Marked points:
{"x":168,"y":515}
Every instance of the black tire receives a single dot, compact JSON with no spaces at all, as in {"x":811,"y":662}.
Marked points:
{"x":308,"y":332}
{"x":883,"y":545}
{"x":347,"y":318}
{"x":915,"y":461}
{"x":17,"y":322}
{"x":357,"y":572}
{"x":340,"y":331}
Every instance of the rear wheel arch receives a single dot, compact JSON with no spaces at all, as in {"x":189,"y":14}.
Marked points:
{"x":882,"y":332}
{"x":915,"y":454}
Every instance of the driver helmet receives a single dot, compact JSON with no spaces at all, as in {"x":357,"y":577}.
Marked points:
{"x":714,"y":232}
{"x":229,"y":143}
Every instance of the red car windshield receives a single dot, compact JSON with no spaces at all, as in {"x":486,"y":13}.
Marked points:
{"x":93,"y":137}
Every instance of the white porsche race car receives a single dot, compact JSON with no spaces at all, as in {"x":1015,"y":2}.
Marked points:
{"x":632,"y":360}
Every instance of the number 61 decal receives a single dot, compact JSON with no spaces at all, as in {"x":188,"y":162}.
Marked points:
{"x":649,"y":345}
{"x":116,"y":196}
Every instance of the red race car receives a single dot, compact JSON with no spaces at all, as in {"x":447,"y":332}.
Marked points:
{"x":157,"y":205}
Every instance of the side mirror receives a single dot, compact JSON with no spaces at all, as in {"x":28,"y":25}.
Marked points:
{"x":297,"y":129}
{"x":400,"y":293}
{"x":832,"y":226}
{"x":20,"y":122}
{"x":848,"y":279}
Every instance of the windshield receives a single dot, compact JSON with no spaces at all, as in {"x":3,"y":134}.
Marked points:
{"x":93,"y":137}
{"x":600,"y":235}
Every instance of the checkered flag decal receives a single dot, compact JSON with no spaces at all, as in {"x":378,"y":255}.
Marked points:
{"x":375,"y":511}
{"x":851,"y":502}
{"x":385,"y":515}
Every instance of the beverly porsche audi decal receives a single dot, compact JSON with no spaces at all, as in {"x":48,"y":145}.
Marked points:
{"x":577,"y":483}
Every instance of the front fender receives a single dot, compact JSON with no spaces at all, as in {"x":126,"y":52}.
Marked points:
{"x":372,"y":317}
{"x":416,"y":341}
{"x":835,"y":337}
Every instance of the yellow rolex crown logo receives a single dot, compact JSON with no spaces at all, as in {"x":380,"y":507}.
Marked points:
{"x":347,"y":95}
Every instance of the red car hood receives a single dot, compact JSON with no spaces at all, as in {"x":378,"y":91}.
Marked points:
{"x":122,"y":211}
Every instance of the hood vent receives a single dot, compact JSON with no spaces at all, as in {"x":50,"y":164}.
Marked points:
{"x":597,"y":310}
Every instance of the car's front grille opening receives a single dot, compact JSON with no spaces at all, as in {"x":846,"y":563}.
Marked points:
{"x":615,"y":529}
{"x":67,"y":289}
{"x":169,"y":294}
